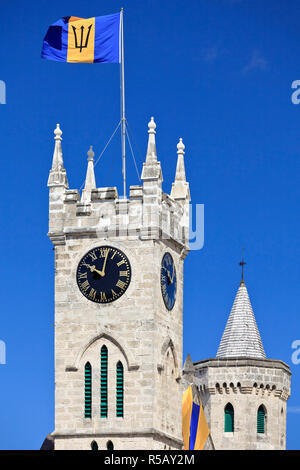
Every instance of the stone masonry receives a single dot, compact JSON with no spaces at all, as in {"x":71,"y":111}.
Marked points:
{"x":137,"y":328}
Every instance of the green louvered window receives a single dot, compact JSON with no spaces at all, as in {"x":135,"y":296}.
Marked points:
{"x":229,"y":418}
{"x":103,"y":382}
{"x":88,"y":390}
{"x":261,"y":416}
{"x":120,"y":390}
{"x":94,"y":445}
{"x":109,"y":445}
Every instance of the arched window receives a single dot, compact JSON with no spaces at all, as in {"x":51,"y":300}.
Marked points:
{"x":261,"y":419}
{"x":103,"y":382}
{"x":229,"y":418}
{"x":94,"y":445}
{"x":88,"y":390}
{"x":109,"y":445}
{"x":120,"y":390}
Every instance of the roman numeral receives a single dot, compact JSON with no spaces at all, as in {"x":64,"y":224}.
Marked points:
{"x":85,"y":285}
{"x":120,"y":284}
{"x":93,"y":255}
{"x":102,"y":297}
{"x":82,"y":275}
{"x":92,"y":294}
{"x":123,"y":273}
{"x":115,"y":252}
{"x":103,"y":252}
{"x":120,"y":263}
{"x":114,"y":294}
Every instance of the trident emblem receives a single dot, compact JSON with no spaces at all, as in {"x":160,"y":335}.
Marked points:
{"x":81,"y":46}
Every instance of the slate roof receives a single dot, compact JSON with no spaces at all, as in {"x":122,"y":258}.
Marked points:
{"x":241,"y":337}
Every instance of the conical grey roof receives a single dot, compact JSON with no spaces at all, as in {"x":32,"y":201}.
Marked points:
{"x":241,"y":337}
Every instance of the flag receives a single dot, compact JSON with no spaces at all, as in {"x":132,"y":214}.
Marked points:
{"x":195,"y":429}
{"x":73,"y":39}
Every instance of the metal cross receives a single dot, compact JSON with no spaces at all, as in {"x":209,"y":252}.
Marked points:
{"x":242,"y":264}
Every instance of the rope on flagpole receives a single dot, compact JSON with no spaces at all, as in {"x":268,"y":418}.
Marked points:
{"x":105,"y":147}
{"x":132,"y":153}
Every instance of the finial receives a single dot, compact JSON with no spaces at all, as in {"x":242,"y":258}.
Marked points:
{"x":242,"y":264}
{"x":57,"y":132}
{"x":91,"y":154}
{"x":180,"y":147}
{"x":151,"y":126}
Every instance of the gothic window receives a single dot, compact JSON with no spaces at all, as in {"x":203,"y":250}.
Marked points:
{"x":229,"y":418}
{"x":94,"y":445}
{"x":103,"y":381}
{"x":88,"y":390}
{"x":109,"y":445}
{"x":120,"y":390}
{"x":261,"y":419}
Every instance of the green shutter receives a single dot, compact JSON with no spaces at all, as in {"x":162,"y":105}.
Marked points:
{"x":88,"y":390}
{"x":229,"y":418}
{"x":94,"y":446}
{"x":120,"y":390}
{"x":103,"y":382}
{"x":261,"y":420}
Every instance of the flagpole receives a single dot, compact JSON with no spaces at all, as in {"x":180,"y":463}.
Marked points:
{"x":123,"y":119}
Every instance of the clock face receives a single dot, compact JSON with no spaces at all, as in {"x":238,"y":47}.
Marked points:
{"x":168,"y":281}
{"x":103,"y":274}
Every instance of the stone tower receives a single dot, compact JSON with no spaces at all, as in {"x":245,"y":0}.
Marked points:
{"x":118,"y":307}
{"x":244,"y":394}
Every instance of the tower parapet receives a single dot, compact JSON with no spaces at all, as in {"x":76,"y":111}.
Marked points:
{"x":148,"y":213}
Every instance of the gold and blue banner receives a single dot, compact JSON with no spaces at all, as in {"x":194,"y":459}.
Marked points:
{"x":195,"y":429}
{"x":73,"y":39}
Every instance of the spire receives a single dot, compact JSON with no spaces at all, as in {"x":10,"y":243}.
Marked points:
{"x":180,"y":170}
{"x":241,"y":337}
{"x":58,"y":176}
{"x":180,"y":188}
{"x":151,"y":149}
{"x":151,"y":168}
{"x":90,"y":182}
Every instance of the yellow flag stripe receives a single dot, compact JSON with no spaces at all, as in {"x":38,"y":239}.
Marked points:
{"x":81,"y":40}
{"x":187,"y":405}
{"x":203,"y":430}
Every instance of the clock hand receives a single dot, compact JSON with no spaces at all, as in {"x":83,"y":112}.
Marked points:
{"x":172,"y":279}
{"x":93,"y":268}
{"x":104,"y":264}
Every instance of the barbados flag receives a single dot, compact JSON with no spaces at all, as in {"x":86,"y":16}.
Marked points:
{"x":73,"y":39}
{"x":195,"y":429}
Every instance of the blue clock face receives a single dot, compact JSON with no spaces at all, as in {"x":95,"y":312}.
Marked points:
{"x":168,"y":281}
{"x":103,"y":274}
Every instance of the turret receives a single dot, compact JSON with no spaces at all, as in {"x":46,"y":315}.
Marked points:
{"x":244,"y":394}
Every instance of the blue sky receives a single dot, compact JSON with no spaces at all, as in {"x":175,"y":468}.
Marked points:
{"x":217,"y":73}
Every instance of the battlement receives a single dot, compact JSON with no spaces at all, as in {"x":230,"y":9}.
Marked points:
{"x":148,"y":213}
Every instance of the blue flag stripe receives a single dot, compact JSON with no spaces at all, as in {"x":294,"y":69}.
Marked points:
{"x":194,"y":425}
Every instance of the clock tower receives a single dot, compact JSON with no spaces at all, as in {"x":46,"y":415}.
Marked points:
{"x":118,"y":307}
